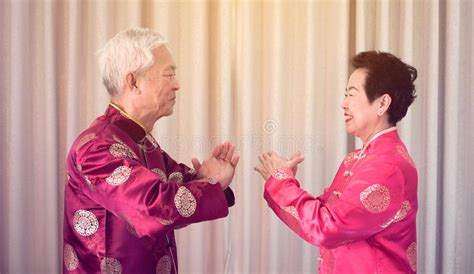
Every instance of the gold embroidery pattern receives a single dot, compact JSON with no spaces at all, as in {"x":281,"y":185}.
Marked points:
{"x":84,"y":140}
{"x":400,"y":215}
{"x":164,"y":265}
{"x":119,"y":176}
{"x":110,"y":265}
{"x":85,"y":222}
{"x":164,"y":221}
{"x":70,"y":258}
{"x":121,"y":150}
{"x":160,"y":173}
{"x":404,"y":153}
{"x":185,"y":202}
{"x":175,"y":177}
{"x":292,"y":211}
{"x":282,"y":174}
{"x":411,"y":255}
{"x":375,"y":198}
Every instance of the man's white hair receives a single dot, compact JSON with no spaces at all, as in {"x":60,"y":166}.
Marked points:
{"x":129,"y":51}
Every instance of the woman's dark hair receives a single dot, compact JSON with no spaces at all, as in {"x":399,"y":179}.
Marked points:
{"x":387,"y":74}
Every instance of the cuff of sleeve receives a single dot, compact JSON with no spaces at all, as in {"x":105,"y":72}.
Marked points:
{"x":229,"y":196}
{"x":283,"y":174}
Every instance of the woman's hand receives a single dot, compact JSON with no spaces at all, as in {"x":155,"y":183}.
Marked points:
{"x":271,"y":161}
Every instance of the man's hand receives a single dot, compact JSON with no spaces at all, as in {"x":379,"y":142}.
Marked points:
{"x":271,"y":161}
{"x":220,"y":166}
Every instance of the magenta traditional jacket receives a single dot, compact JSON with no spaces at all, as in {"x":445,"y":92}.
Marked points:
{"x":125,"y":196}
{"x":365,"y":222}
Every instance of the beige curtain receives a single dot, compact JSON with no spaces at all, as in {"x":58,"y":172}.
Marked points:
{"x":263,"y":74}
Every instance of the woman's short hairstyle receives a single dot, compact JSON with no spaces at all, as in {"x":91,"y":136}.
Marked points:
{"x":128,"y":51}
{"x":387,"y":74}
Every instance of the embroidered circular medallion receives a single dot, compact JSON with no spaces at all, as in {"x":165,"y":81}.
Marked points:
{"x":375,"y":198}
{"x":120,"y":150}
{"x":185,"y":202}
{"x":70,"y":258}
{"x":176,"y":177}
{"x":160,"y":173}
{"x":85,"y":222}
{"x":164,"y":265}
{"x":411,"y":256}
{"x":110,"y":265}
{"x":119,"y":176}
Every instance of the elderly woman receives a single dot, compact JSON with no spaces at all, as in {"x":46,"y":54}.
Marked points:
{"x":365,"y":222}
{"x":124,"y":195}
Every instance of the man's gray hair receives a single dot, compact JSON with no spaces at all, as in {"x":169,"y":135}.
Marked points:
{"x":129,"y":51}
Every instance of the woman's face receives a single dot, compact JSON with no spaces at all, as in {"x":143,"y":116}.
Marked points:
{"x":360,"y":116}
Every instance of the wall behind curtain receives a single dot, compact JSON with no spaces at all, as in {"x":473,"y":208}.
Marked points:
{"x":263,"y":74}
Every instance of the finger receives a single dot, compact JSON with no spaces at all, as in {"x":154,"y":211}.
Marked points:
{"x":235,"y":160}
{"x":225,"y":151}
{"x":230,"y":152}
{"x":267,"y":161}
{"x":297,"y":159}
{"x":261,"y":158}
{"x":217,"y":150}
{"x":196,"y":164}
{"x":295,"y":154}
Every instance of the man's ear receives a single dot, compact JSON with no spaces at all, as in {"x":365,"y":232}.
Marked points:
{"x":131,"y":82}
{"x":384,"y":102}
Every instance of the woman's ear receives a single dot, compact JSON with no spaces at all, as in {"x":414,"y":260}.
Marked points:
{"x":384,"y":104}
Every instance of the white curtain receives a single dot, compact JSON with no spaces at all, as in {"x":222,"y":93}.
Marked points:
{"x":263,"y":74}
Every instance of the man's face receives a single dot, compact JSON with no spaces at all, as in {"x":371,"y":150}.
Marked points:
{"x":158,"y":85}
{"x":360,"y":115}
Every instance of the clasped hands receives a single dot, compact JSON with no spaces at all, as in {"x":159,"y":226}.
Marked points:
{"x":220,"y":166}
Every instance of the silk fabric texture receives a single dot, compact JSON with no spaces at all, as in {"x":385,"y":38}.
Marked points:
{"x":365,"y":222}
{"x":125,"y":196}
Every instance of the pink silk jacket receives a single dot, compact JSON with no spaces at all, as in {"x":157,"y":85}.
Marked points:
{"x":125,"y":196}
{"x":365,"y":222}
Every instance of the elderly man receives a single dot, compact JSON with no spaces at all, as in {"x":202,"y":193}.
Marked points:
{"x":124,"y":195}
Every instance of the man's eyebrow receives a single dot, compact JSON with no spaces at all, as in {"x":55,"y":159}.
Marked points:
{"x":173,"y":67}
{"x":351,"y":87}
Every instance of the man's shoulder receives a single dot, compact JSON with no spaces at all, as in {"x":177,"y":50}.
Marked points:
{"x":100,"y":133}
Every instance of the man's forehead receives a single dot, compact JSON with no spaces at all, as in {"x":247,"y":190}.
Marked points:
{"x":164,"y":59}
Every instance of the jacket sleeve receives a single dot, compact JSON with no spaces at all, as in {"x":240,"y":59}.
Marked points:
{"x":180,"y":171}
{"x":125,"y":187}
{"x":372,"y":199}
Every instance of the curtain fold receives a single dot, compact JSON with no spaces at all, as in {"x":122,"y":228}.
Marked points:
{"x":262,"y":74}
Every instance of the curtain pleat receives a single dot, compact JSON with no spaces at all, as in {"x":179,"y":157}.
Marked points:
{"x":262,"y":74}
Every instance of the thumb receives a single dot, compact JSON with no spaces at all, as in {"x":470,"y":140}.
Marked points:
{"x":296,"y":159}
{"x":196,"y":164}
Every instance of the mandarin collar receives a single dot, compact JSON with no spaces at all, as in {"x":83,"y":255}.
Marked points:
{"x":121,"y":119}
{"x":382,"y":137}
